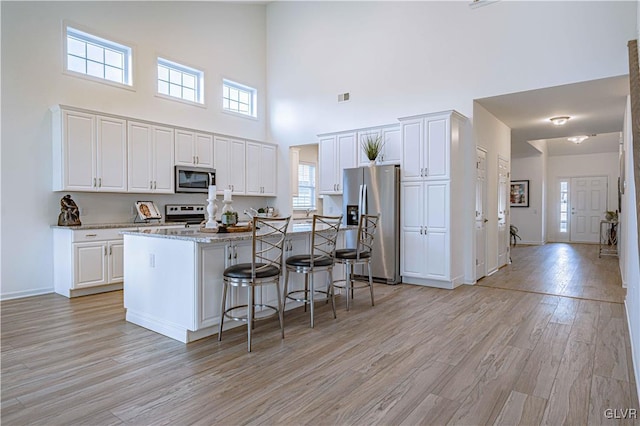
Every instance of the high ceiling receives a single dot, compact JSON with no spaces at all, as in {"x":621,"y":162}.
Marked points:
{"x":595,"y":107}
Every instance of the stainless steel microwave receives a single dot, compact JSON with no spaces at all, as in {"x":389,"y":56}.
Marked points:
{"x":194,"y":179}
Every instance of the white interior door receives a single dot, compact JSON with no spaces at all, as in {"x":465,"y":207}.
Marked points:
{"x":588,"y":202}
{"x":481,"y":219}
{"x":503,"y":212}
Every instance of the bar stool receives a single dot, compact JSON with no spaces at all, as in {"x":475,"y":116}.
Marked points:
{"x":323,"y":246}
{"x":265,"y":268}
{"x":359,"y":255}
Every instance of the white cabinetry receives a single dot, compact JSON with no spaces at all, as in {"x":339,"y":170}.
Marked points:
{"x":433,"y":209}
{"x":425,"y":229}
{"x":391,"y":149}
{"x":261,"y":169}
{"x":193,"y":148}
{"x":230,"y":164}
{"x":87,"y":261}
{"x":337,"y":151}
{"x":426,"y":147}
{"x":150,"y":162}
{"x":89,"y":152}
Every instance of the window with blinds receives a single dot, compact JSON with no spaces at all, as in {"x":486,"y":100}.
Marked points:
{"x":306,"y":198}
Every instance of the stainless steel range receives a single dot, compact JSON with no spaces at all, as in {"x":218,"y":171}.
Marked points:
{"x":193,"y":214}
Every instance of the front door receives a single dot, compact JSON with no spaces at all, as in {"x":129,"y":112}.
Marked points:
{"x":481,"y":220}
{"x":588,"y":203}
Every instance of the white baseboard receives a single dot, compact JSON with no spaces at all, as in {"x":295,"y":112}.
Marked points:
{"x":530,"y":243}
{"x":26,"y":293}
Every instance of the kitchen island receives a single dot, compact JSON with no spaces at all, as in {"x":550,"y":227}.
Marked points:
{"x":173,"y":277}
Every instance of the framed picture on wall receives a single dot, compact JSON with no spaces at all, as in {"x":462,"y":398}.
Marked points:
{"x":519,"y":195}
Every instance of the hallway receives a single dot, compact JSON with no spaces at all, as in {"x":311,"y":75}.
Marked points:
{"x":561,"y":269}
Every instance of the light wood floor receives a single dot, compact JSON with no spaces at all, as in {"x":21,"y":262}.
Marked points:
{"x":474,"y":355}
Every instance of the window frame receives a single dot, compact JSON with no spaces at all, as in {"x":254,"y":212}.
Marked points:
{"x":567,"y":231}
{"x":243,"y":87}
{"x":128,"y":50}
{"x":183,"y":68}
{"x":314,"y":197}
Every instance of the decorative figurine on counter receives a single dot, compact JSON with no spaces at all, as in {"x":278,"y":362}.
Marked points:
{"x":69,"y":212}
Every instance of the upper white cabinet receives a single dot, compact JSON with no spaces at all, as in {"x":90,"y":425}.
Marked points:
{"x":230,"y":164}
{"x":337,"y":151}
{"x":193,"y":148}
{"x":89,"y":152}
{"x":150,"y":149}
{"x":391,"y":149}
{"x":261,"y":169}
{"x":426,"y":146}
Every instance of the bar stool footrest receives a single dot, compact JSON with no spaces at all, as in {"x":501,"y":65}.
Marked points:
{"x":257,"y":316}
{"x":325,"y":293}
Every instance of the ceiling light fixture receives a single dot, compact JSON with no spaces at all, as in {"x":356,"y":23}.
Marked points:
{"x":578,"y":139}
{"x":559,"y":121}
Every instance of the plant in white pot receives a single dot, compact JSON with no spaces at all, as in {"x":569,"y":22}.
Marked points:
{"x":372,"y":146}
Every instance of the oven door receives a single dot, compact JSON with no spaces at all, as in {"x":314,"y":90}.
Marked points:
{"x":194,"y":179}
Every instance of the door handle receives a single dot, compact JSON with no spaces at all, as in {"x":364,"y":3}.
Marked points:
{"x":486,"y":220}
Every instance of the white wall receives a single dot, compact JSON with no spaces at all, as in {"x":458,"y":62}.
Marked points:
{"x":226,"y":40}
{"x":565,"y":166}
{"x":493,"y":135}
{"x":530,"y":220}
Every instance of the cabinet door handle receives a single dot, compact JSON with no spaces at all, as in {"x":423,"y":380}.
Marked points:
{"x":420,"y":229}
{"x":150,"y":184}
{"x":105,"y":250}
{"x":91,"y":235}
{"x":197,"y":159}
{"x":155,"y":184}
{"x":110,"y":250}
{"x":193,"y":160}
{"x":99,"y":182}
{"x":94,"y":182}
{"x":426,"y":171}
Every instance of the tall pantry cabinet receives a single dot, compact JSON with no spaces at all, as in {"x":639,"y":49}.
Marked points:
{"x":432,"y":216}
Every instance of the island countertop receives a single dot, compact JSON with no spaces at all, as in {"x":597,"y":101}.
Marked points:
{"x":195,"y":235}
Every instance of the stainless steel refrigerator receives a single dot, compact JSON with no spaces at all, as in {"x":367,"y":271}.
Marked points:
{"x":375,"y":190}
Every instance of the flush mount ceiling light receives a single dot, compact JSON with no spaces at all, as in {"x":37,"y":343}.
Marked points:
{"x":559,"y":121}
{"x":578,"y":139}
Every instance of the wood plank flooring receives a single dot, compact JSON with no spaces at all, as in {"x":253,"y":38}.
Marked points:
{"x":475,"y":355}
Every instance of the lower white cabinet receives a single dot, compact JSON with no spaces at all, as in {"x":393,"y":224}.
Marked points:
{"x":87,"y":261}
{"x":425,"y":237}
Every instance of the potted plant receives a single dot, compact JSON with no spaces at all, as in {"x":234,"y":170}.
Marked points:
{"x":372,"y":146}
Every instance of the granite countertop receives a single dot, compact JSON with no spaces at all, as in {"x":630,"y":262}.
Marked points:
{"x":117,"y":225}
{"x":194,"y":234}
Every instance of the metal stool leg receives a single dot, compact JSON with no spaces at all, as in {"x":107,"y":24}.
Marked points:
{"x":222,"y":308}
{"x":331,"y":292}
{"x":280,"y":307}
{"x":250,"y":308}
{"x":249,"y":317}
{"x":284,"y":295}
{"x":306,"y":290}
{"x":312,"y":291}
{"x":370,"y":282}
